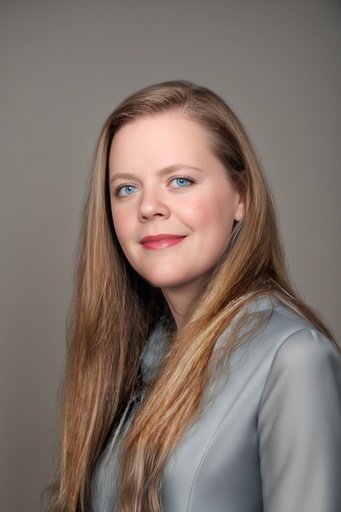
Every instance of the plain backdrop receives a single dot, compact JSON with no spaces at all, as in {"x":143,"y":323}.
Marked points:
{"x":64,"y":66}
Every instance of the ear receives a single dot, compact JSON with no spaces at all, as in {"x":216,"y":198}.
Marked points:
{"x":240,"y":208}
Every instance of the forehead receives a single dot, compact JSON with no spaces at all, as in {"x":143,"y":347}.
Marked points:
{"x":163,"y":124}
{"x":160,"y":139}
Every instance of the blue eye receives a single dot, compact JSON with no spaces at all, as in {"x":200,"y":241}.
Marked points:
{"x":126,"y":190}
{"x":182,"y":182}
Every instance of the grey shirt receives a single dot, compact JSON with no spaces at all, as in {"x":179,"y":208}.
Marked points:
{"x":268,"y":441}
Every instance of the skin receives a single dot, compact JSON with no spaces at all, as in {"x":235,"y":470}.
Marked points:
{"x":165,"y":180}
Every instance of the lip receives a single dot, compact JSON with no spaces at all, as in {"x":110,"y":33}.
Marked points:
{"x":162,"y":241}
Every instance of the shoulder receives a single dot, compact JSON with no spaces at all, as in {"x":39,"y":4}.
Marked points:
{"x":286,"y":347}
{"x":299,"y":345}
{"x":305,"y":367}
{"x":287,"y":331}
{"x":279,"y":334}
{"x":306,"y":350}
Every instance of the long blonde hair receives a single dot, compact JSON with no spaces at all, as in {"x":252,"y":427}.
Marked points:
{"x":114,"y":311}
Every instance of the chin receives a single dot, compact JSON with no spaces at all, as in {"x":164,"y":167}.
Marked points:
{"x":161,"y":279}
{"x":164,"y":283}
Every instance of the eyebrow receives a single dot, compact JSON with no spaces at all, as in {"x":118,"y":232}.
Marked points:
{"x":161,"y":172}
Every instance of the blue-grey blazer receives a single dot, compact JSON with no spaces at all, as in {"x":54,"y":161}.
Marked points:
{"x":269,"y":440}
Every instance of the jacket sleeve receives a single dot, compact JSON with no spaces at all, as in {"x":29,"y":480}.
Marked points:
{"x":299,"y":427}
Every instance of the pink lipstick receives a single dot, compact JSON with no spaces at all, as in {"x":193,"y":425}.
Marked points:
{"x":161,"y":241}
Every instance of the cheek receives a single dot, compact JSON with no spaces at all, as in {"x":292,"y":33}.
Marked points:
{"x":211,"y":219}
{"x":218,"y":221}
{"x":214,"y":214}
{"x":199,"y":211}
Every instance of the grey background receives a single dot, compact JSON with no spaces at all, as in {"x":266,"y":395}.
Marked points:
{"x":64,"y":66}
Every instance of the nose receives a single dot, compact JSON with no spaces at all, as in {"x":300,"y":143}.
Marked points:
{"x":152,"y":205}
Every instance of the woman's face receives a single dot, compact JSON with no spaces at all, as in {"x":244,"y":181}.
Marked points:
{"x":172,"y":204}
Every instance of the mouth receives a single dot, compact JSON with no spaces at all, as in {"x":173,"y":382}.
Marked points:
{"x":161,"y":241}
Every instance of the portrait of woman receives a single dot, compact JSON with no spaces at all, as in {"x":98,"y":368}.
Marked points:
{"x":197,"y":379}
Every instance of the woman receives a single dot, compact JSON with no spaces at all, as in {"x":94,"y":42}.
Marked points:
{"x":197,"y":380}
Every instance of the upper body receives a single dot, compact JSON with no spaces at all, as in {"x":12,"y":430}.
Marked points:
{"x":180,"y":230}
{"x":269,"y":437}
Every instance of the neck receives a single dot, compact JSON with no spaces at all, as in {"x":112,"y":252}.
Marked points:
{"x":179,"y":302}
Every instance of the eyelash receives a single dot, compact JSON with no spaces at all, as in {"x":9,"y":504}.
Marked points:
{"x":190,"y":181}
{"x":121,"y":187}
